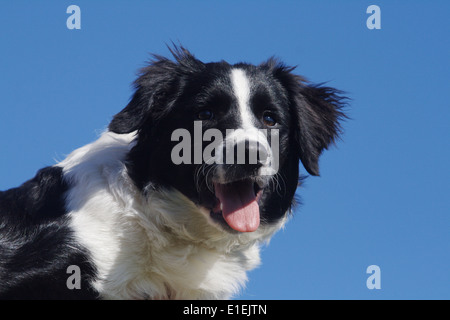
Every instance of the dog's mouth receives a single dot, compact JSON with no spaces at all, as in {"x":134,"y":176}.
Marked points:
{"x":237,"y":204}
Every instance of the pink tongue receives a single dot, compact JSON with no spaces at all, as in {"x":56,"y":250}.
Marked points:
{"x":239,"y":205}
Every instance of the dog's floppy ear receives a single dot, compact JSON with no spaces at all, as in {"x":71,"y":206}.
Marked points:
{"x":155,"y":89}
{"x":316,"y":111}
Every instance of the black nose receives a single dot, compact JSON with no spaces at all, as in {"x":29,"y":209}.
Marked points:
{"x":248,"y":154}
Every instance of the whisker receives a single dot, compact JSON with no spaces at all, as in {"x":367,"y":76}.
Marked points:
{"x":282,"y":187}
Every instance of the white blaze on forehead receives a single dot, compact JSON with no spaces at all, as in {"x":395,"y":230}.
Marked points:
{"x":245,"y":131}
{"x":241,"y":89}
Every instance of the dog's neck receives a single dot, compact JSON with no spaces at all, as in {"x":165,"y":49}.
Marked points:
{"x":145,"y":245}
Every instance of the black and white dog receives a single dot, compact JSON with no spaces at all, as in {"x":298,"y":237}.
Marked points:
{"x":162,"y":205}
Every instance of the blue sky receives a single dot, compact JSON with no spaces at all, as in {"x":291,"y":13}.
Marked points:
{"x":383,"y":196}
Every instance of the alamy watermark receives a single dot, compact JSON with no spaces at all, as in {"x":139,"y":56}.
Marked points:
{"x":74,"y":20}
{"x":374,"y":280}
{"x":74,"y":280}
{"x":239,"y":146}
{"x":374,"y":20}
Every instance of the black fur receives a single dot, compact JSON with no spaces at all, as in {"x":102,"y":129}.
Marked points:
{"x":36,"y":244}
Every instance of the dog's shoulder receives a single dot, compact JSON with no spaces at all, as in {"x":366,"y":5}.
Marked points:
{"x":39,"y":199}
{"x":36,"y":241}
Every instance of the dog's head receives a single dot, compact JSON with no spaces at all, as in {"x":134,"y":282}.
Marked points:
{"x":229,"y":137}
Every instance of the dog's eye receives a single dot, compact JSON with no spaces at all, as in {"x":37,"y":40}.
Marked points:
{"x":269,"y":119}
{"x":205,"y":115}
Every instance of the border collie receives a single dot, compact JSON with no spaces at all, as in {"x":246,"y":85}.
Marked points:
{"x":151,"y":210}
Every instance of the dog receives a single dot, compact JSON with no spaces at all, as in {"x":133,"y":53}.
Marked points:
{"x":175,"y":198}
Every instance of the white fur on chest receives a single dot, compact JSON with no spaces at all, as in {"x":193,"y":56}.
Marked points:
{"x":158,"y":247}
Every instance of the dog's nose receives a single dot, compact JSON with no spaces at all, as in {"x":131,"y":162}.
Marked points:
{"x":249,"y":154}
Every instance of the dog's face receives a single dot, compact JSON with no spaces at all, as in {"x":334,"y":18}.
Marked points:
{"x":229,"y":137}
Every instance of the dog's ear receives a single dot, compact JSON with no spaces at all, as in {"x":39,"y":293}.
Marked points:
{"x":155,"y":90}
{"x":316,"y":112}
